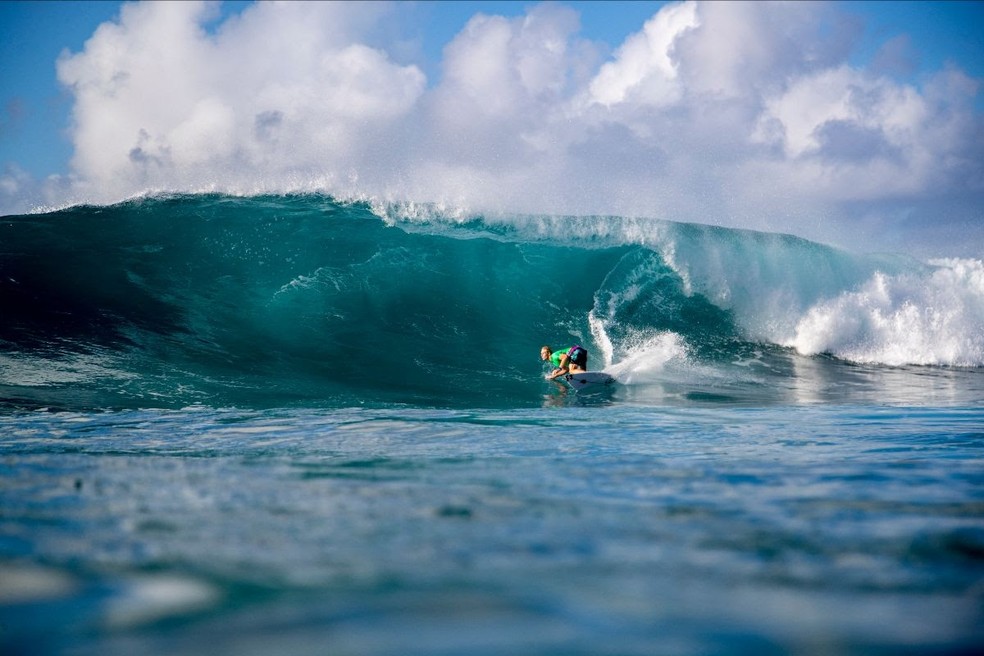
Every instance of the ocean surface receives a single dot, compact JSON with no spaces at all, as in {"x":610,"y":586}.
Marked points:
{"x":293,"y":425}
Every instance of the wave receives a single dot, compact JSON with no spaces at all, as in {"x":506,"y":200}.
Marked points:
{"x":218,"y":299}
{"x":780,"y":289}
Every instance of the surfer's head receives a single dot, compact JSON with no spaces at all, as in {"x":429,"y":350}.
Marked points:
{"x":545,"y":352}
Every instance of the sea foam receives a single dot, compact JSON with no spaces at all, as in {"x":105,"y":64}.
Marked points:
{"x":929,"y":319}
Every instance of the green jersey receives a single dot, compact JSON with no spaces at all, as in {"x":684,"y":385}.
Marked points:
{"x":555,"y":356}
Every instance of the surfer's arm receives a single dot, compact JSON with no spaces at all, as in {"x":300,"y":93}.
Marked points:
{"x":561,"y":370}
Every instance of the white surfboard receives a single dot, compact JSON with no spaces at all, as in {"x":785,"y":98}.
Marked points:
{"x":588,"y":380}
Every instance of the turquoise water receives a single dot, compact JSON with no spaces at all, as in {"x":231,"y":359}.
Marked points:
{"x":291,"y":425}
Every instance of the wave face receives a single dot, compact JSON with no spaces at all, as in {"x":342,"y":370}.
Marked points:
{"x":305,"y":300}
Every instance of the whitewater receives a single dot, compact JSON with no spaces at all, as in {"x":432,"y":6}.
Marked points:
{"x":296,"y":424}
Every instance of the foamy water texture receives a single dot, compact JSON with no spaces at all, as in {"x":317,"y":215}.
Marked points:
{"x":934,"y":317}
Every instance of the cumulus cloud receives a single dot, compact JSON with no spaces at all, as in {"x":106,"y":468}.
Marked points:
{"x":284,"y":90}
{"x":644,"y":68}
{"x":726,"y":112}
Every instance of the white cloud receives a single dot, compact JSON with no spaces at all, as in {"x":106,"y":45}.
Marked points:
{"x":644,"y":68}
{"x":848,"y":96}
{"x":727,"y":112}
{"x":847,"y":135}
{"x":748,"y":50}
{"x":160,"y":103}
{"x":13,"y":180}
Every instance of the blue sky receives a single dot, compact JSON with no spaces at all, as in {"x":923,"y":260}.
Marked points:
{"x":429,"y":50}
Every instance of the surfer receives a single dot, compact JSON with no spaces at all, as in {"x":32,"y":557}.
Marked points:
{"x":572,"y":360}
